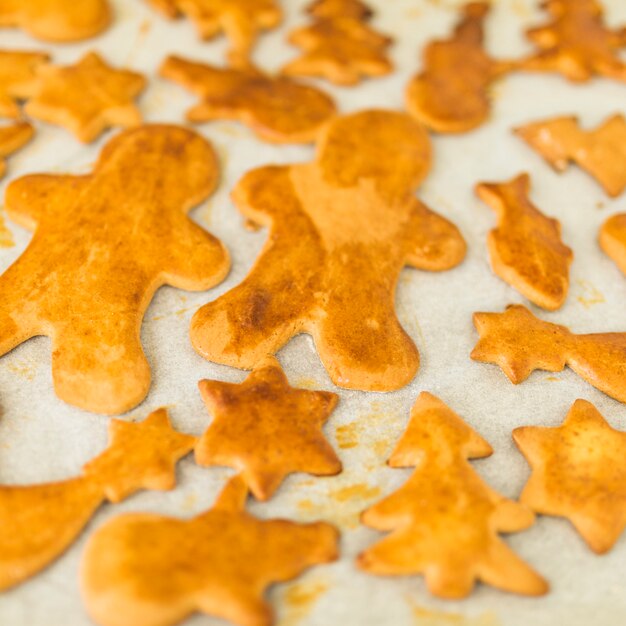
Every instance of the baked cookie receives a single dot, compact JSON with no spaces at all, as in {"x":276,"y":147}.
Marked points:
{"x":18,"y":82}
{"x":341,"y":229}
{"x":526,"y":249}
{"x":444,"y":521}
{"x":600,"y":152}
{"x":276,"y":108}
{"x":576,"y":43}
{"x":57,"y":20}
{"x":266,"y":429}
{"x":86,"y":98}
{"x":12,"y":138}
{"x":104,"y":243}
{"x":39,"y":522}
{"x":613,"y":239}
{"x":146,"y":569}
{"x":451,"y":93}
{"x":242,"y":21}
{"x":520,"y":343}
{"x":339,"y":46}
{"x":578,"y":472}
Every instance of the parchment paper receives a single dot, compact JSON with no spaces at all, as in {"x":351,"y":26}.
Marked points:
{"x":42,"y":439}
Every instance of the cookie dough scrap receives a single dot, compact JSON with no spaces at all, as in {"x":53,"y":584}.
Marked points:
{"x":342,"y":227}
{"x":444,"y":522}
{"x":339,"y":46}
{"x":18,"y":71}
{"x":613,"y":240}
{"x":526,"y":249}
{"x":520,"y":343}
{"x":144,"y":569}
{"x":451,"y":93}
{"x":57,"y":20}
{"x":104,"y":243}
{"x":276,"y":108}
{"x":39,"y":522}
{"x":12,"y":138}
{"x":266,"y":429}
{"x":241,"y":21}
{"x":600,"y":152}
{"x":576,"y":43}
{"x":578,"y":472}
{"x":86,"y":98}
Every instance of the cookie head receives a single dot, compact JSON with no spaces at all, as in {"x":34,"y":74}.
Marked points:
{"x":387,"y":147}
{"x":173,"y":159}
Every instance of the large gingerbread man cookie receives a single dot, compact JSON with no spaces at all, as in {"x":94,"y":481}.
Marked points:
{"x":341,"y":229}
{"x":103,"y":244}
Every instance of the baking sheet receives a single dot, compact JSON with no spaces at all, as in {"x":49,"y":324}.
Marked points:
{"x":42,"y":439}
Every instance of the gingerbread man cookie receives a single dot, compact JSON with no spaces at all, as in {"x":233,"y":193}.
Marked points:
{"x":242,"y":21}
{"x":267,"y":429}
{"x":104,"y":243}
{"x":149,"y":570}
{"x":526,"y":248}
{"x":341,"y":229}
{"x":520,"y":343}
{"x":278,"y":108}
{"x":579,"y":472}
{"x":12,"y":138}
{"x":450,"y":95}
{"x":18,"y":71}
{"x":86,"y":98}
{"x":600,"y":152}
{"x":57,"y":20}
{"x":39,"y":522}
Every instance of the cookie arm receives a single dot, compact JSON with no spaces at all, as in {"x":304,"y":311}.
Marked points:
{"x":433,"y":243}
{"x":30,"y":198}
{"x":198,"y":260}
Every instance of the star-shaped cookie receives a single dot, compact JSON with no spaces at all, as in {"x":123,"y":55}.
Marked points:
{"x":18,"y":72}
{"x":267,"y":429}
{"x":86,"y":98}
{"x":579,"y":472}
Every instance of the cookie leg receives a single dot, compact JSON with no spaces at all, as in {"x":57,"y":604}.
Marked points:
{"x":361,"y":342}
{"x":99,"y":365}
{"x":260,"y":315}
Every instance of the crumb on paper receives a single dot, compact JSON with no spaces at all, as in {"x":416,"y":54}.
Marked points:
{"x":590,"y":294}
{"x":348,"y":435}
{"x":298,"y":600}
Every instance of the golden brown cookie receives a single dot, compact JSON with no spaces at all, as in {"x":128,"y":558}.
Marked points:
{"x":444,"y":522}
{"x":39,"y":522}
{"x":613,"y":239}
{"x":342,"y":227}
{"x":451,"y":93}
{"x":520,"y":343}
{"x":579,"y":472}
{"x":12,"y":138}
{"x":341,"y":48}
{"x":242,"y":21}
{"x":86,"y":98}
{"x":526,"y":249}
{"x":266,"y":429}
{"x":340,"y":8}
{"x":18,"y":72}
{"x":277,"y":108}
{"x":600,"y":152}
{"x":146,"y":569}
{"x":576,"y":43}
{"x":57,"y":20}
{"x":104,"y":243}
